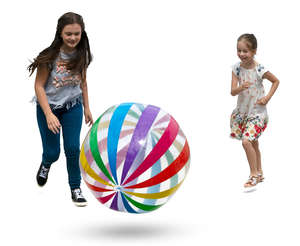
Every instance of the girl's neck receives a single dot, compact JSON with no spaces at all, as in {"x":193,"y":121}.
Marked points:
{"x":249,"y":65}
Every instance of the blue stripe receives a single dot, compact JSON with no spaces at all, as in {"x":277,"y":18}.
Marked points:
{"x":156,"y":168}
{"x":127,"y":206}
{"x":114,"y":131}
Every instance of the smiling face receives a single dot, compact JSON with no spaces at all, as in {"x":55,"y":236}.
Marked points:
{"x":71,"y":35}
{"x":245,"y":53}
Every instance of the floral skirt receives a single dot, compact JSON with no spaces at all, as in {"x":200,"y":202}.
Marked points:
{"x":247,"y":127}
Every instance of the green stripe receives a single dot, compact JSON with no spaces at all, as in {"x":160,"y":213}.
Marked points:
{"x":133,"y":114}
{"x":95,"y":150}
{"x":142,"y":206}
{"x":140,"y":107}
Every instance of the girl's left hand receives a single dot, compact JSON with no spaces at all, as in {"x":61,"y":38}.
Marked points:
{"x":262,"y":101}
{"x":88,"y":117}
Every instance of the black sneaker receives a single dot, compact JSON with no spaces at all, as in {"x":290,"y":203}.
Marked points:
{"x":42,"y":175}
{"x":78,"y":198}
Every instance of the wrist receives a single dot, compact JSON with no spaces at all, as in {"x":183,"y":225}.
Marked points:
{"x":240,"y":88}
{"x":268,"y":98}
{"x":48,"y":113}
{"x":86,"y":107}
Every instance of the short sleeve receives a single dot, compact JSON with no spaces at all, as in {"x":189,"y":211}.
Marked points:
{"x":236,"y":69}
{"x":261,"y":70}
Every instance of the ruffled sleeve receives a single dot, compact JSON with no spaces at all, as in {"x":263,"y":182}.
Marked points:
{"x":261,"y":70}
{"x":236,"y":69}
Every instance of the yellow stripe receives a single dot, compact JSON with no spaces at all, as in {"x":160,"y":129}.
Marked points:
{"x":178,"y":146}
{"x":129,"y":123}
{"x":103,"y":125}
{"x":86,"y":167}
{"x":156,"y":195}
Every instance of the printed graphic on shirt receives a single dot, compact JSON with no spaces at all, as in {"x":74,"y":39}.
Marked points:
{"x":64,"y":76}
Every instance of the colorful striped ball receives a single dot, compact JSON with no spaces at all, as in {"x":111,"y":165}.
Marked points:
{"x":134,"y":158}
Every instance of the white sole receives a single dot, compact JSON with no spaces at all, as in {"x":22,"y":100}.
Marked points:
{"x":80,"y":204}
{"x":250,"y":189}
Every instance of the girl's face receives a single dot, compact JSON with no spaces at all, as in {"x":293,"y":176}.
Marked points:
{"x":71,"y":35}
{"x":244,"y":53}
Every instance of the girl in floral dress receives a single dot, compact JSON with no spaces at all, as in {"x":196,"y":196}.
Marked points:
{"x":250,"y":118}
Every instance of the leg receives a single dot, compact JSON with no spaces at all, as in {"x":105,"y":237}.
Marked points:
{"x":258,"y":156}
{"x":258,"y":161}
{"x":50,"y":141}
{"x":71,"y":121}
{"x":251,"y":156}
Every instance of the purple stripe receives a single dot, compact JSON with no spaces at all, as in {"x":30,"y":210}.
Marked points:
{"x":114,"y":204}
{"x":158,"y":150}
{"x":140,"y":133}
{"x":137,"y":161}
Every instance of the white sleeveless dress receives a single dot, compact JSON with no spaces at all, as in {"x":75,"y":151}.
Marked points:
{"x":249,"y":119}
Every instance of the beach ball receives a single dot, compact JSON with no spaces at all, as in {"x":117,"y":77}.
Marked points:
{"x":134,"y":158}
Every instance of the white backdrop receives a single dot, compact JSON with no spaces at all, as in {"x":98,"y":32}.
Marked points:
{"x":176,"y":55}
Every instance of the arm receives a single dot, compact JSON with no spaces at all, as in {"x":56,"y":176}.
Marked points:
{"x":40,"y":82}
{"x":235,"y":89}
{"x":85,"y":97}
{"x":275,"y":83}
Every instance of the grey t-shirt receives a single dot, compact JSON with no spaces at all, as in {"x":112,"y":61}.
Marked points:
{"x":62,"y":87}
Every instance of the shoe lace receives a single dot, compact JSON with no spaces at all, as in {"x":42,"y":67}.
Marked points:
{"x":77,"y":193}
{"x":44,"y":172}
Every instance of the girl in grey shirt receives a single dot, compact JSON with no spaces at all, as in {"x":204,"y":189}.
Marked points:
{"x":62,"y":98}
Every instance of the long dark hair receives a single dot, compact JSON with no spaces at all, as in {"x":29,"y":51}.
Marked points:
{"x":83,"y":55}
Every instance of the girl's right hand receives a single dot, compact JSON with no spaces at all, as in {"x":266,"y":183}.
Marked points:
{"x":246,"y":85}
{"x":53,"y":123}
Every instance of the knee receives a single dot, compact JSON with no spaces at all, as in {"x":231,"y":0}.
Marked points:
{"x":52,"y":155}
{"x":72,"y":151}
{"x":255,"y":145}
{"x":246,"y":143}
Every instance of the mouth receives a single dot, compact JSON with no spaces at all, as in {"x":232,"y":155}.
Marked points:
{"x":72,"y":42}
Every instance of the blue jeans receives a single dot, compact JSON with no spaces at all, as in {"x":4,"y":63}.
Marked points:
{"x":71,"y":122}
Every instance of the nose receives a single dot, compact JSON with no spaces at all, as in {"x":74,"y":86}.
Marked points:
{"x":242,"y":54}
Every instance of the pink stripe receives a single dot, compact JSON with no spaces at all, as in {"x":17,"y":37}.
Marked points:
{"x":159,"y":149}
{"x":96,"y":188}
{"x":121,"y":155}
{"x":126,"y":133}
{"x":103,"y":147}
{"x":105,"y":198}
{"x":163,"y":119}
{"x":103,"y":143}
{"x":159,"y":129}
{"x":180,"y":133}
{"x":90,"y":159}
